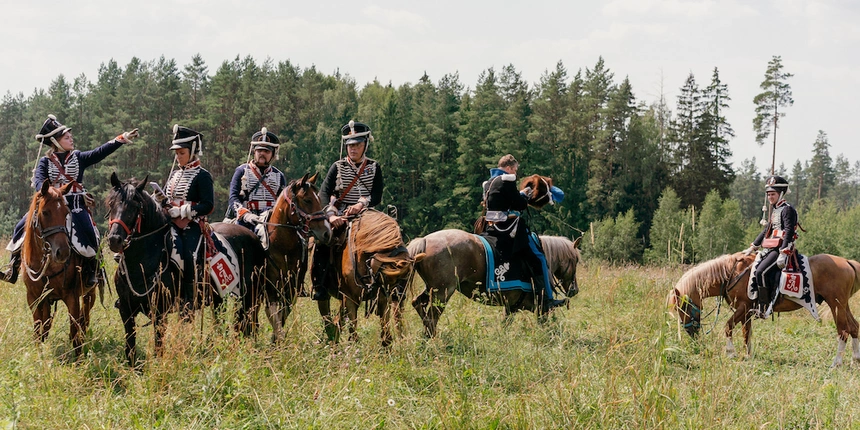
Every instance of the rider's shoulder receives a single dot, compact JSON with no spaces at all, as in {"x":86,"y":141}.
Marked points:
{"x":508,"y":177}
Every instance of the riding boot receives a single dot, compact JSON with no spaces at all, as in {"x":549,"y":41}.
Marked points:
{"x":11,"y":275}
{"x":91,"y":271}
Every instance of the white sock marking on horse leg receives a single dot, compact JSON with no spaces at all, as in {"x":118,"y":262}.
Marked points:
{"x":840,"y":351}
{"x":855,"y":345}
{"x":274,"y":314}
{"x":730,"y":348}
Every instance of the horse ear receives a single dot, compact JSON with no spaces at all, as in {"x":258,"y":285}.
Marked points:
{"x":142,"y":184}
{"x":114,"y":180}
{"x":46,"y":185}
{"x":576,"y":242}
{"x":313,"y":179}
{"x":66,"y":188}
{"x":304,"y":179}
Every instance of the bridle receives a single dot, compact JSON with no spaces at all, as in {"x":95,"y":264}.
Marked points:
{"x":42,"y":234}
{"x":303,"y":226}
{"x":131,"y":232}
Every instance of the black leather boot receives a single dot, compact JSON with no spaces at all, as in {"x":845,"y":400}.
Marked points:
{"x":11,"y":275}
{"x":91,"y":272}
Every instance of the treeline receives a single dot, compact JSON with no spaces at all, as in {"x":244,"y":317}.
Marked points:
{"x":611,"y":153}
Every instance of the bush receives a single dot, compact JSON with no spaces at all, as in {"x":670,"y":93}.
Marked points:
{"x":615,"y":240}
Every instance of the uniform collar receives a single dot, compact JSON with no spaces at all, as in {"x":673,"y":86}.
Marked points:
{"x":193,"y":164}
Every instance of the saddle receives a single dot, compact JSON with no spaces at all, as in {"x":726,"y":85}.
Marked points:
{"x":504,"y":273}
{"x":794,"y":283}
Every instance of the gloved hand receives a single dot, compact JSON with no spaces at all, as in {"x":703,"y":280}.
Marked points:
{"x":174,"y":211}
{"x":250,"y":218}
{"x":750,"y":250}
{"x":527,"y":191}
{"x":781,"y":260}
{"x":128,"y":136}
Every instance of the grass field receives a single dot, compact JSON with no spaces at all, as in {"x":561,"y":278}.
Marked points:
{"x":614,"y":359}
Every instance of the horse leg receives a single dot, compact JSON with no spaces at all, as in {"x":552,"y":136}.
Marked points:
{"x":437,"y":300}
{"x":843,"y":319}
{"x":330,"y":326}
{"x":385,"y":310}
{"x":130,"y":333}
{"x":276,"y":319}
{"x":160,"y":326}
{"x":349,"y":307}
{"x":76,"y":335}
{"x":730,"y":329}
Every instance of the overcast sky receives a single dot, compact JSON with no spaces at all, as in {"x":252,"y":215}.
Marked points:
{"x":656,"y":43}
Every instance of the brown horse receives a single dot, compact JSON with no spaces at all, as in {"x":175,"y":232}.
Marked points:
{"x":455,"y":261}
{"x":297,"y":215}
{"x":371,"y":264}
{"x":540,"y":197}
{"x":52,"y":269}
{"x":836,"y":279}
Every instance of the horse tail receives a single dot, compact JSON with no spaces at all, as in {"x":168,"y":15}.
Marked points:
{"x":416,"y":247}
{"x":856,"y":285}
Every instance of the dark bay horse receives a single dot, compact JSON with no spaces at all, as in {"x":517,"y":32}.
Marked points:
{"x":52,"y":268}
{"x":297,"y":215}
{"x":455,"y":261}
{"x":148,"y":282}
{"x":370,"y":264}
{"x":835,"y":279}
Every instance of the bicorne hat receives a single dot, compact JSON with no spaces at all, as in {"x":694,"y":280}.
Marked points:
{"x":51,"y":130}
{"x":184,"y":137}
{"x":355,"y":132}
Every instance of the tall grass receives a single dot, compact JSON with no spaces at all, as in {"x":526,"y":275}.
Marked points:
{"x":614,"y":359}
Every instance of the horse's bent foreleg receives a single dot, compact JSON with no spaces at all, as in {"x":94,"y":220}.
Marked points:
{"x":739,"y":316}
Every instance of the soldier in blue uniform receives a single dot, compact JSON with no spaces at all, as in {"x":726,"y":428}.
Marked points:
{"x":256,"y":184}
{"x":776,"y":241}
{"x":191,"y":197}
{"x":63,"y":164}
{"x":504,"y":205}
{"x":352,"y":184}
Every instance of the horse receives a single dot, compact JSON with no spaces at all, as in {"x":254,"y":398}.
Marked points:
{"x":297,"y":215}
{"x":541,"y":196}
{"x":371,"y":265}
{"x":455,"y":261}
{"x":52,"y":268}
{"x":148,"y":282}
{"x":836,"y":279}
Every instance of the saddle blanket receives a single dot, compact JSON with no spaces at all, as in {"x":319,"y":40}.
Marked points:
{"x":796,"y":286}
{"x":504,"y":273}
{"x":222,"y":262}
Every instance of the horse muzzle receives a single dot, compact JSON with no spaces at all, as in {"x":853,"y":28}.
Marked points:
{"x":116,"y":243}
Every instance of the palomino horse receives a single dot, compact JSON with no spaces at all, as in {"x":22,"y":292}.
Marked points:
{"x":455,"y":261}
{"x":148,"y":282}
{"x":836,"y":279}
{"x":52,"y":268}
{"x":297,"y":215}
{"x":371,"y":264}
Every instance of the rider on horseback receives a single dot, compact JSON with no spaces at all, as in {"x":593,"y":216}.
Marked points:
{"x":190,"y":197}
{"x":256,"y":184}
{"x":64,"y":164}
{"x":353,"y":184}
{"x":504,"y":203}
{"x":777,"y":242}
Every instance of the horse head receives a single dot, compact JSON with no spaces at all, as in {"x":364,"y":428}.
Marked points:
{"x":540,"y":186}
{"x":129,"y":206}
{"x":305,"y":209}
{"x":48,"y":216}
{"x":715,"y":277}
{"x":563,"y":255}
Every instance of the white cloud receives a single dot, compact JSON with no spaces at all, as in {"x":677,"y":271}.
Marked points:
{"x":396,"y":18}
{"x":679,"y":9}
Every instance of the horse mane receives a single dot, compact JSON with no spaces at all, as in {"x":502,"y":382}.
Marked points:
{"x":117,"y":195}
{"x":712,"y":271}
{"x":541,"y":186}
{"x":380,"y":234}
{"x":28,"y":226}
{"x":559,"y":249}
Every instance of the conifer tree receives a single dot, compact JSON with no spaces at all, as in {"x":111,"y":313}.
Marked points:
{"x":775,"y":95}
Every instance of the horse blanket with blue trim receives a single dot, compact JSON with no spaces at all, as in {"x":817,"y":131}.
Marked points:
{"x":505,"y":273}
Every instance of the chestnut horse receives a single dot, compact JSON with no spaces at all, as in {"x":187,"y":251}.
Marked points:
{"x":146,"y":279}
{"x":52,"y":268}
{"x":372,"y":264}
{"x":455,"y":261}
{"x":836,"y":279}
{"x":297,"y":215}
